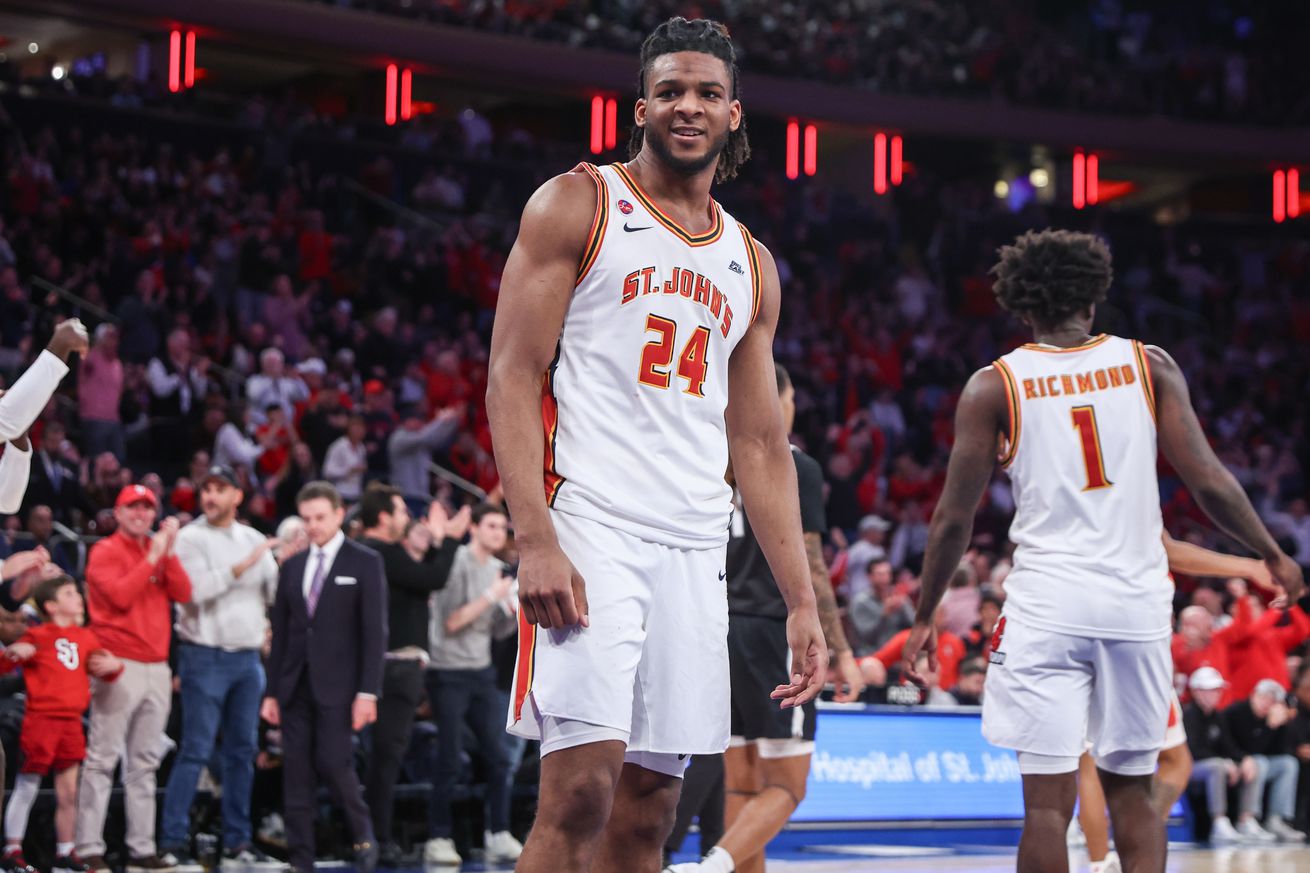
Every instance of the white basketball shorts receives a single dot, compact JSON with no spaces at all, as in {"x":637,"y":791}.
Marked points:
{"x":1050,"y":694}
{"x":652,"y":665}
{"x":1175,"y":734}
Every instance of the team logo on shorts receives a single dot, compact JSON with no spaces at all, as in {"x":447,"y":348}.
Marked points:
{"x":996,"y":656}
{"x":625,"y":207}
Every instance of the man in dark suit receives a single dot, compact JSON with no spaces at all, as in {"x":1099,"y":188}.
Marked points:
{"x":325,"y":671}
{"x":53,"y":481}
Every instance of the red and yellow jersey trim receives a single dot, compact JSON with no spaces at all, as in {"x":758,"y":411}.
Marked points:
{"x":757,"y":277}
{"x":1144,"y":367}
{"x":692,"y":239}
{"x":527,"y":664}
{"x":550,"y":422}
{"x":599,"y":222}
{"x":1012,"y":407}
{"x":1090,"y":344}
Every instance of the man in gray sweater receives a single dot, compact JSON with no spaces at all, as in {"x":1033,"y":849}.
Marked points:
{"x":219,"y":637}
{"x":474,"y":607}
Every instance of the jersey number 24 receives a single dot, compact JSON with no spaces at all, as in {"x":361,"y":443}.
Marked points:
{"x":657,"y":356}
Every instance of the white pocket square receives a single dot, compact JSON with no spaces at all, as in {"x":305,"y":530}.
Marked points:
{"x":344,"y":580}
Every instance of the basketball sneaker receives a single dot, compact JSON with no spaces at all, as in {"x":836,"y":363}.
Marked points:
{"x":501,"y":846}
{"x":441,"y":850}
{"x":1109,"y":865}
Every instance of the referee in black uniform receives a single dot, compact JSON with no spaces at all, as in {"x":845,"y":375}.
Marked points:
{"x":768,"y":759}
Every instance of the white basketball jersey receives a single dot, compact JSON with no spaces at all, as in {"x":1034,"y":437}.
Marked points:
{"x":633,"y":403}
{"x":1082,"y":458}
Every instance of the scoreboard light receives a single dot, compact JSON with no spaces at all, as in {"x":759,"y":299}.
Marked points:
{"x":181,"y":60}
{"x":793,"y":149}
{"x":604,"y":123}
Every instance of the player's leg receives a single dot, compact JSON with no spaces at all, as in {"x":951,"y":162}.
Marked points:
{"x":1091,"y":810}
{"x":574,"y":800}
{"x":641,"y":817}
{"x":741,"y":779}
{"x":573,"y":691}
{"x":1175,"y":769}
{"x":1139,"y":833}
{"x":1130,"y":701}
{"x":782,"y":789}
{"x":1048,"y":800}
{"x":1171,"y":778}
{"x":1038,"y":692}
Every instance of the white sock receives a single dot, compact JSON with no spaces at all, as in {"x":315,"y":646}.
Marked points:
{"x":63,"y":850}
{"x":26,"y":787}
{"x":718,"y":861}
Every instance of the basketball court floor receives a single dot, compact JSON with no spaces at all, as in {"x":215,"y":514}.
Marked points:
{"x":987,"y":859}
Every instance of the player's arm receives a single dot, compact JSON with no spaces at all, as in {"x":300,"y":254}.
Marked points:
{"x":1216,"y":489}
{"x":766,"y":477}
{"x":1193,"y":560}
{"x":535,"y":289}
{"x":847,"y":676}
{"x":979,"y":421}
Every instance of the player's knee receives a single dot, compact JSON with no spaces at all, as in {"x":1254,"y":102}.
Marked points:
{"x":580,"y":806}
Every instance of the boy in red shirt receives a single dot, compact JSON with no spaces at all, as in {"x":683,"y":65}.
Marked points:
{"x":57,"y":657}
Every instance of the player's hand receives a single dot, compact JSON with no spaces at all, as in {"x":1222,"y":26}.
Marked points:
{"x":70,"y":336}
{"x":20,"y":651}
{"x":849,"y":679}
{"x":809,"y":658}
{"x":270,"y":712}
{"x":1279,"y":714}
{"x":551,"y":591}
{"x":923,"y":638}
{"x":363,"y":711}
{"x":1287,"y":575}
{"x":1248,"y":769}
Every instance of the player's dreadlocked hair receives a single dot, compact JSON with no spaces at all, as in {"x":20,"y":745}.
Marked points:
{"x":1048,"y":275}
{"x":710,"y":37}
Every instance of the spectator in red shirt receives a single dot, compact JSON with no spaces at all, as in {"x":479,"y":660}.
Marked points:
{"x":1197,"y":644}
{"x":950,"y":652}
{"x":1263,"y":655}
{"x":57,"y":657}
{"x":132,"y":580}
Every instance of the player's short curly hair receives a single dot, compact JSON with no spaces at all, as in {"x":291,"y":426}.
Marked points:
{"x":1047,"y":275}
{"x":699,"y":35}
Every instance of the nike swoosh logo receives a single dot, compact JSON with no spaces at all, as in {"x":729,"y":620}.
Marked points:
{"x":634,"y":229}
{"x":723,"y":575}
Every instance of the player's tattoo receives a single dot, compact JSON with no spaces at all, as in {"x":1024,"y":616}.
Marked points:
{"x":824,"y":598}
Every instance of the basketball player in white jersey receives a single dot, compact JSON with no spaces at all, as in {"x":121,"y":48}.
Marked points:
{"x":1175,"y":759}
{"x":1082,"y":649}
{"x":632,"y":353}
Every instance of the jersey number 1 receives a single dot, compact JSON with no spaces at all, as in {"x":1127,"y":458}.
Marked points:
{"x":1084,"y":421}
{"x":658,"y":355}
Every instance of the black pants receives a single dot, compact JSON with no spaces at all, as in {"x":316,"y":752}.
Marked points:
{"x":316,"y":736}
{"x":402,"y":691}
{"x":702,"y":798}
